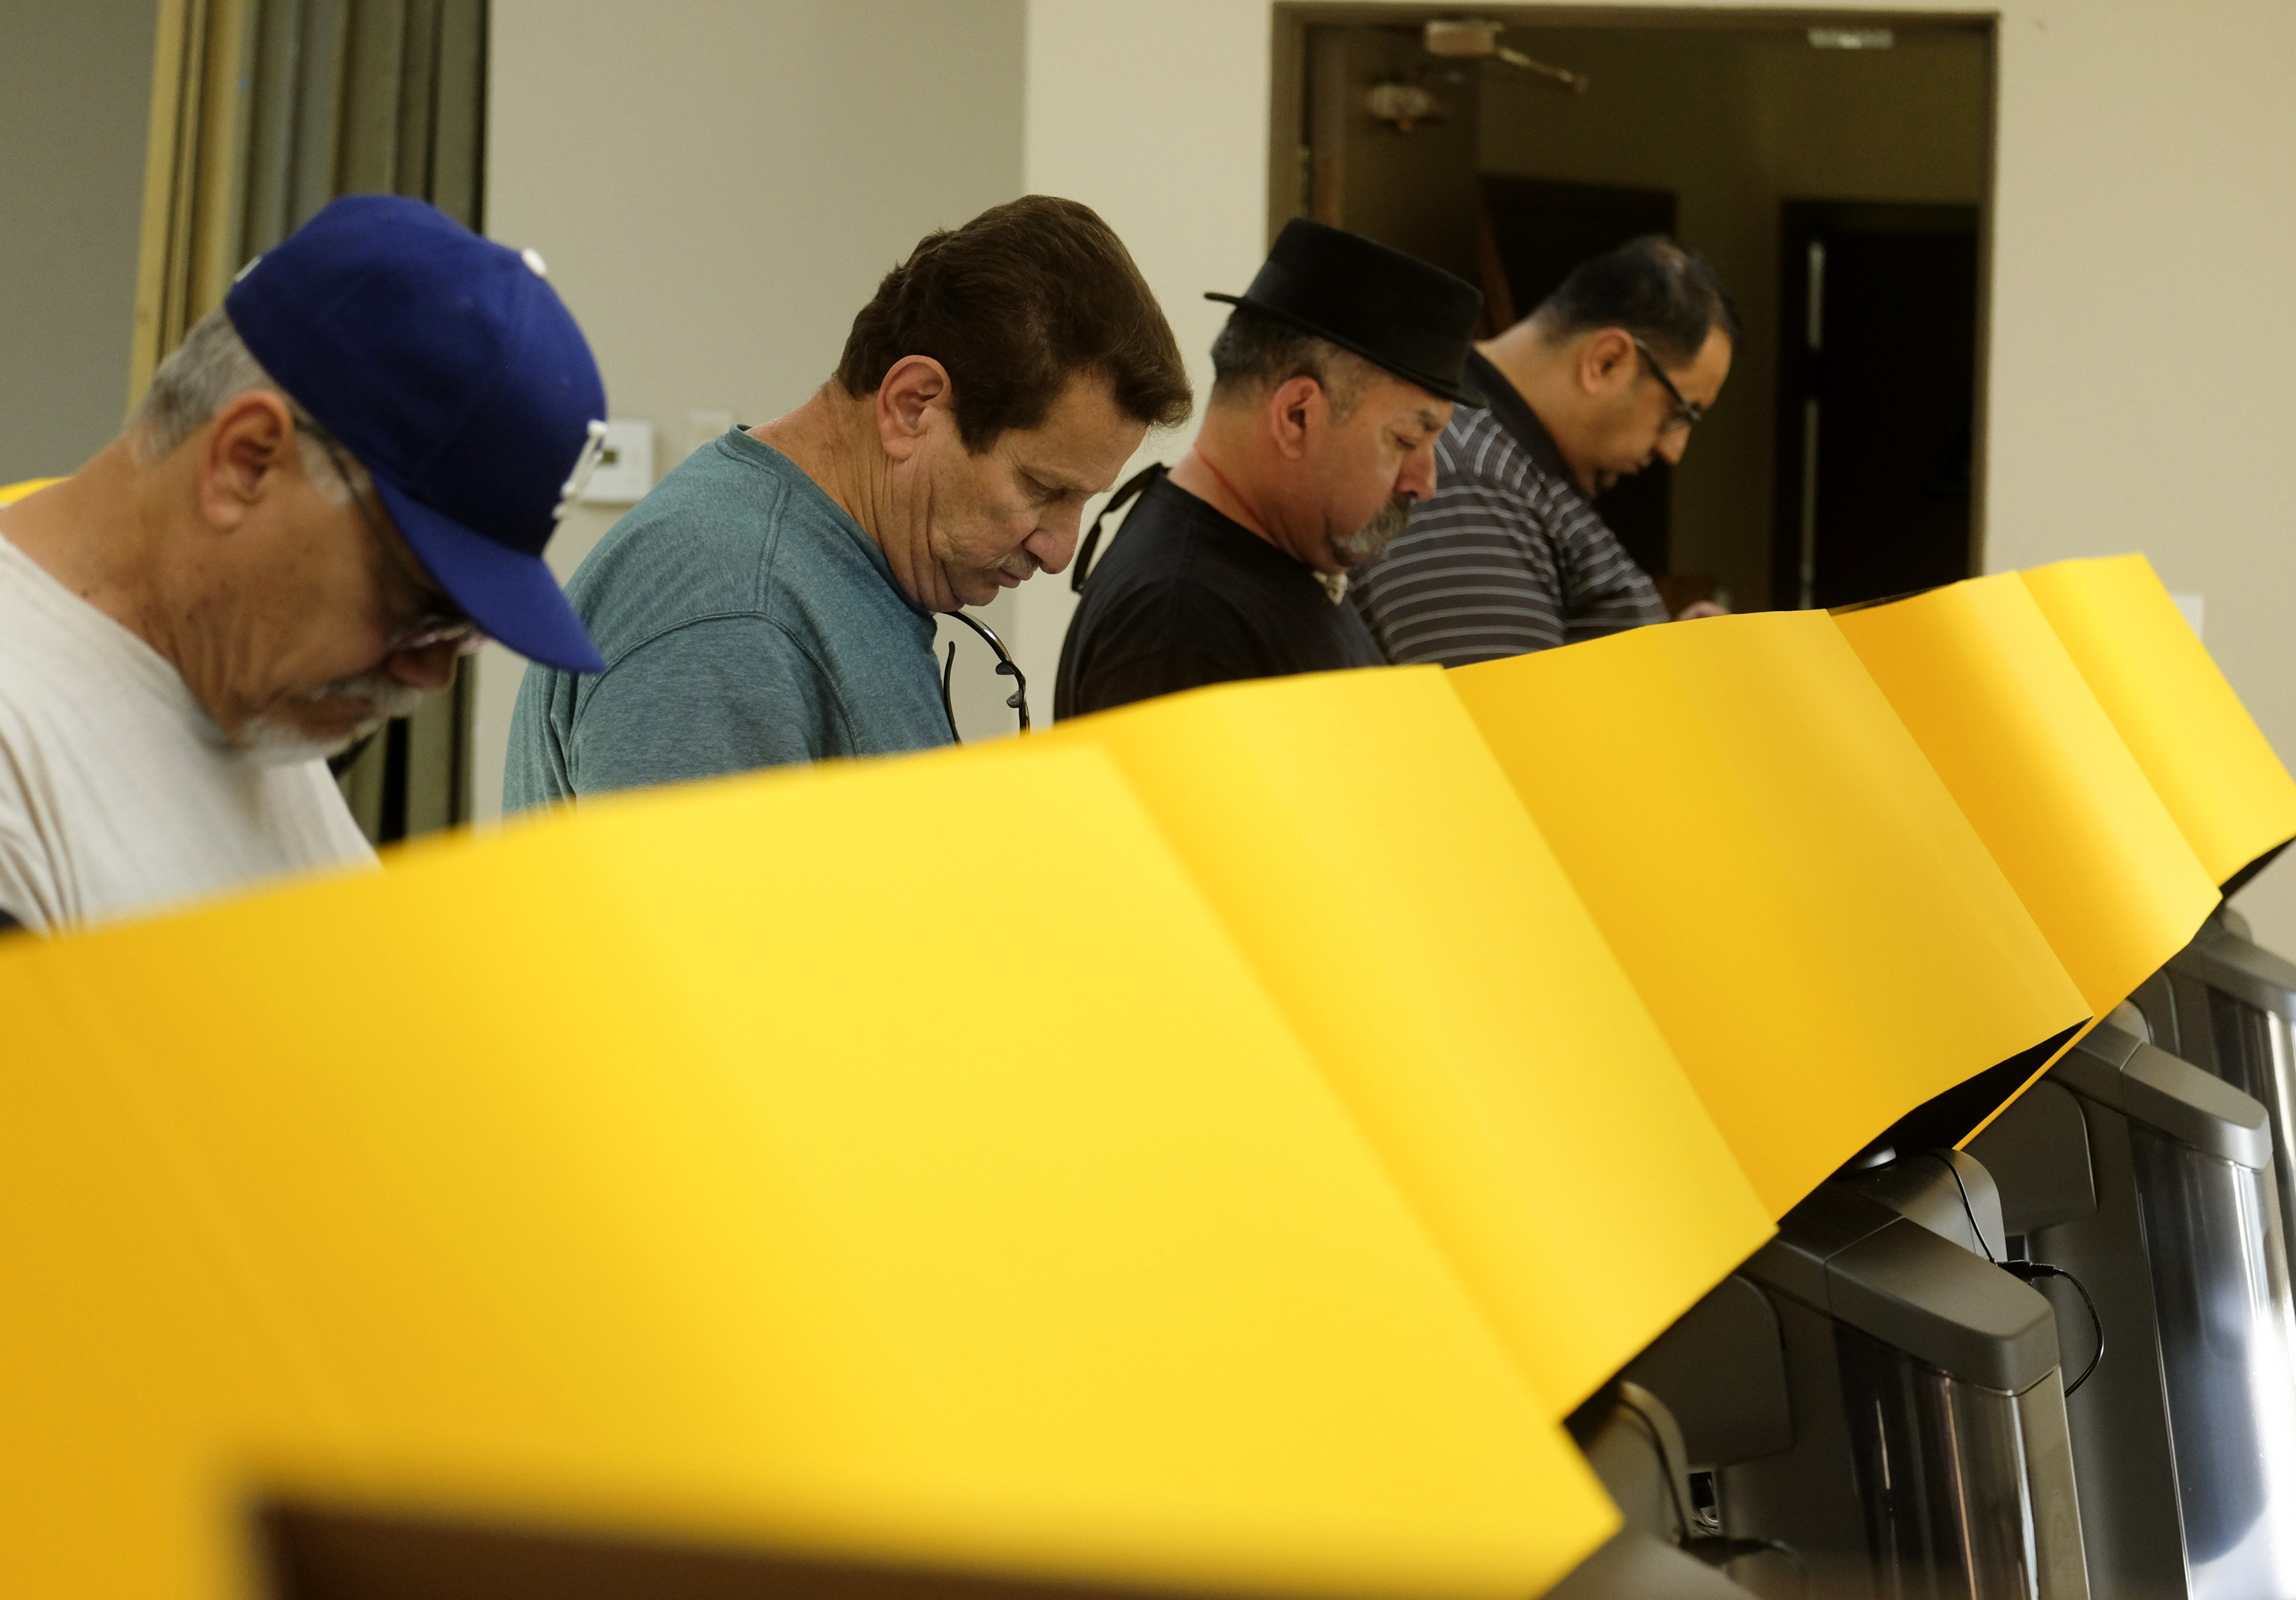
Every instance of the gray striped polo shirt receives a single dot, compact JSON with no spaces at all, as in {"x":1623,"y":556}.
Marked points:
{"x":1506,"y":556}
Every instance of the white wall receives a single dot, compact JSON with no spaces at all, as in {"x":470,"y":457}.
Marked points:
{"x":718,"y":186}
{"x":1157,"y":118}
{"x":2144,"y":323}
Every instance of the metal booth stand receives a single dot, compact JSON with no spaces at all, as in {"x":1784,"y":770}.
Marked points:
{"x":2150,"y":1183}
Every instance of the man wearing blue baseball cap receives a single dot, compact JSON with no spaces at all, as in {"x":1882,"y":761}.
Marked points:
{"x":341,"y":481}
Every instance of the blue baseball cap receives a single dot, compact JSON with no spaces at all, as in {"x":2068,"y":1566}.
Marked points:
{"x":447,"y":365}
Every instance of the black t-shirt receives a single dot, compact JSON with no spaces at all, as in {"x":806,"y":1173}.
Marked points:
{"x":1185,"y":597}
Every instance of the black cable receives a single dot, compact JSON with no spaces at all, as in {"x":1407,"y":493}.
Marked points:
{"x":1968,"y":1211}
{"x":2027,"y":1271}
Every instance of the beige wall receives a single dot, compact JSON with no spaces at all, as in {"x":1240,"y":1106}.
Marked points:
{"x":718,"y":188}
{"x":2143,"y":324}
{"x":1734,"y":122}
{"x":1154,"y":116}
{"x":72,"y":123}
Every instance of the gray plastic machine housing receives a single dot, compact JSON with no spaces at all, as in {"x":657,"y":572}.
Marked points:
{"x":2152,"y":1182}
{"x":2228,"y":1006}
{"x":1877,"y":1407}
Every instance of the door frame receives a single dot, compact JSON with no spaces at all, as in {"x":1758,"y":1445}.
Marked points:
{"x":1798,"y":222}
{"x":1290,"y":181}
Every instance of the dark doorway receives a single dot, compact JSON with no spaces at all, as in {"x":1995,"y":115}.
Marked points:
{"x":1537,"y":231}
{"x":1877,"y":387}
{"x":1727,"y":120}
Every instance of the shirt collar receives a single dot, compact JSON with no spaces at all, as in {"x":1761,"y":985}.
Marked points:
{"x":1513,"y":413}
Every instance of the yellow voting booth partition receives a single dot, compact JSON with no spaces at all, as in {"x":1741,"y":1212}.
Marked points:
{"x":712,"y":1167}
{"x":1819,"y":933}
{"x":2186,"y":729}
{"x":1371,"y":860}
{"x":1991,"y":695}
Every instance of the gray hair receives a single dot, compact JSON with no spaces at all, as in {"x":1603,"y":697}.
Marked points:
{"x":212,"y":367}
{"x":1256,"y":353}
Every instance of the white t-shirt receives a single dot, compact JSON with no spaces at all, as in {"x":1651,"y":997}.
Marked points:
{"x":118,"y":793}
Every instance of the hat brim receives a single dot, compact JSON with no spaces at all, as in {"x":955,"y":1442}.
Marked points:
{"x":514,"y":597}
{"x":1460,"y":393}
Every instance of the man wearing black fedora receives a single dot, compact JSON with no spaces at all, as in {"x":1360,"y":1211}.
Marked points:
{"x":1332,"y":381}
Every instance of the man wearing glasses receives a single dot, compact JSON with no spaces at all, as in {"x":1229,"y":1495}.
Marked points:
{"x":340,"y":482}
{"x":1509,"y":555}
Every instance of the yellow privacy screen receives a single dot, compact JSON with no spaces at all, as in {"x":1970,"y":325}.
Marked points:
{"x":1374,"y":863}
{"x":711,"y":1165}
{"x":1816,"y":930}
{"x":2204,"y":754}
{"x":1982,"y":683}
{"x":10,"y":493}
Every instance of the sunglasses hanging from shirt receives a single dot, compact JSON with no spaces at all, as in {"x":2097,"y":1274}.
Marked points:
{"x":1005,"y":668}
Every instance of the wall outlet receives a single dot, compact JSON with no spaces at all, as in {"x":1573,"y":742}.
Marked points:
{"x":624,"y":466}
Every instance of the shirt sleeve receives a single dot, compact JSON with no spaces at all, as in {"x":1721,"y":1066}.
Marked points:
{"x":725,"y":694}
{"x":1604,"y":591}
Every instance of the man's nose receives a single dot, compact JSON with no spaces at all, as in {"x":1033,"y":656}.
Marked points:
{"x":430,"y":669}
{"x":1054,"y":546}
{"x":1417,"y":477}
{"x":1672,"y":443}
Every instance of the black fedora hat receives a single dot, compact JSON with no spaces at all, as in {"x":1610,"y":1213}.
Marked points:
{"x":1395,"y":311}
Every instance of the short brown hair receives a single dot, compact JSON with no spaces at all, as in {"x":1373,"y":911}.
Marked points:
{"x":1015,"y":304}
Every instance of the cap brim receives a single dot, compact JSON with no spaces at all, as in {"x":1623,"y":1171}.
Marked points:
{"x":1461,"y":393}
{"x":514,"y":598}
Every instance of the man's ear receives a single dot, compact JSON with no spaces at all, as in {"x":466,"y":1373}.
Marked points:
{"x":912,"y":391}
{"x":1606,"y":361}
{"x":1296,"y":408}
{"x":243,"y":450}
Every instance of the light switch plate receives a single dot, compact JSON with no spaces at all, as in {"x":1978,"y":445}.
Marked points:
{"x":625,"y":472}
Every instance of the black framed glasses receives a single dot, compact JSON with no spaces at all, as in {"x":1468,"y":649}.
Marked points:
{"x":1017,"y":700}
{"x":1687,"y":414}
{"x":440,"y":620}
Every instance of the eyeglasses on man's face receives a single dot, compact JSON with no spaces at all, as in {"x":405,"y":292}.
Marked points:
{"x":437,"y":620}
{"x":1687,"y":414}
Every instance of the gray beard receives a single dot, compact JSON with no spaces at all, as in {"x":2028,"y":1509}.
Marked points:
{"x":1354,"y":549}
{"x":273,"y":741}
